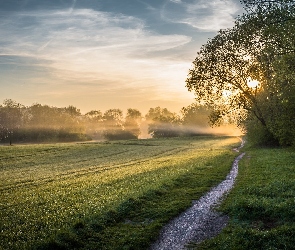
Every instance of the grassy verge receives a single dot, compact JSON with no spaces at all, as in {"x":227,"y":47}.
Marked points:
{"x":262,"y":204}
{"x":103,"y":195}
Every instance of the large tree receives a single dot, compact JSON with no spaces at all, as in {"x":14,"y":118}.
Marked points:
{"x":276,"y":20}
{"x":220,"y":78}
{"x":245,"y":73}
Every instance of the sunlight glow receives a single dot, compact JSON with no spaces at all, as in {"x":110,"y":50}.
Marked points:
{"x":252,"y":83}
{"x":226,"y":93}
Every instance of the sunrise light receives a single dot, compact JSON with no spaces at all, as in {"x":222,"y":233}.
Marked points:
{"x":252,"y":83}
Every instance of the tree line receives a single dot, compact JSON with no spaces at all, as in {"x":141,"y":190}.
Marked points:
{"x":246,"y":74}
{"x":43,"y":123}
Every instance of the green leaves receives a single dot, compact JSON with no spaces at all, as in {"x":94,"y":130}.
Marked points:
{"x":261,"y":47}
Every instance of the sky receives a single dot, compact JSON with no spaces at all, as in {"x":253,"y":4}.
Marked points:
{"x":103,"y":54}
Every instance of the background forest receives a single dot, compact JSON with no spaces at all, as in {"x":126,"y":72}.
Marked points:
{"x":43,"y":123}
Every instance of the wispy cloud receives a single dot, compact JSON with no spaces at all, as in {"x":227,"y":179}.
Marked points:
{"x":95,"y":51}
{"x":175,"y":1}
{"x":202,"y":14}
{"x":148,"y":6}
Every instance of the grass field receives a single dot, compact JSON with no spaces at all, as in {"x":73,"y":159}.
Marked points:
{"x":262,"y":204}
{"x":107,"y":195}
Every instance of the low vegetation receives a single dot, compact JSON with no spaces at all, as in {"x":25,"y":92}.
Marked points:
{"x":261,"y":206}
{"x":108,"y":195}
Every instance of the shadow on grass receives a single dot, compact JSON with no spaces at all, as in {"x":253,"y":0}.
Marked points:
{"x":136,"y":222}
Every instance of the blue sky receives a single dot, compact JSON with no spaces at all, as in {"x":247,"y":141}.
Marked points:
{"x":101,"y":54}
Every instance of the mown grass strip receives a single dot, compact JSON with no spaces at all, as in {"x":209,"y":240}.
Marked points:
{"x":262,"y":204}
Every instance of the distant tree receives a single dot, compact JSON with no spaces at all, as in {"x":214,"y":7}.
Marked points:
{"x":113,"y":123}
{"x":72,"y":111}
{"x":94,"y":115}
{"x":48,"y":123}
{"x":132,"y":122}
{"x":163,"y":123}
{"x":113,"y":118}
{"x":43,"y":117}
{"x":72,"y":122}
{"x":10,"y":119}
{"x":194,"y":119}
{"x":195,"y":115}
{"x":93,"y":123}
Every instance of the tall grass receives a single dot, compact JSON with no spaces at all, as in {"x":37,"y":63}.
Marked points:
{"x":262,"y":204}
{"x":103,"y":195}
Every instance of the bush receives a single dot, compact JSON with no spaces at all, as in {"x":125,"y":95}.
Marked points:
{"x":119,"y":135}
{"x":259,"y":135}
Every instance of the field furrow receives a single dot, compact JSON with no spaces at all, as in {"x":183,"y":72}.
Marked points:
{"x":28,"y":179}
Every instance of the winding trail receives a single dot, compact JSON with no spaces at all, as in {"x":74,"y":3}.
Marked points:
{"x":200,"y":221}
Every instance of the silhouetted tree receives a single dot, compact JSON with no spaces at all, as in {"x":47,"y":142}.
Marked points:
{"x":261,"y":47}
{"x":132,"y":122}
{"x":113,"y":123}
{"x":94,"y":123}
{"x":194,"y":119}
{"x":10,"y":119}
{"x":163,"y":123}
{"x":72,"y":111}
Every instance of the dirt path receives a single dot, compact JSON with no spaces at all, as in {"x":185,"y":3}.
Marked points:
{"x":199,"y":222}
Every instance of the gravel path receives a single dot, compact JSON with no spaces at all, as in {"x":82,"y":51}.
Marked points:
{"x":199,"y":222}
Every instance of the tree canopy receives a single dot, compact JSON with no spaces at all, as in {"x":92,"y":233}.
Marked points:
{"x":10,"y":118}
{"x":163,"y":123}
{"x":246,"y":74}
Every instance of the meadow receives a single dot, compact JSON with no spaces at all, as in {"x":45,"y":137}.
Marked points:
{"x":104,"y":195}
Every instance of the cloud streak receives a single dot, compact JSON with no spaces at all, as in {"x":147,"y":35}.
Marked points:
{"x":105,"y":56}
{"x":202,"y":14}
{"x":90,"y":46}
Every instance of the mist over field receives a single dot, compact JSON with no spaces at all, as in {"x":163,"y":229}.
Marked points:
{"x":43,"y":123}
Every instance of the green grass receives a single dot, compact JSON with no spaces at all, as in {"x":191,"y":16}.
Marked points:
{"x":112,"y":195}
{"x":262,"y":204}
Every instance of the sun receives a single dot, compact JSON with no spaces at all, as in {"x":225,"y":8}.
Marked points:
{"x":252,"y":83}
